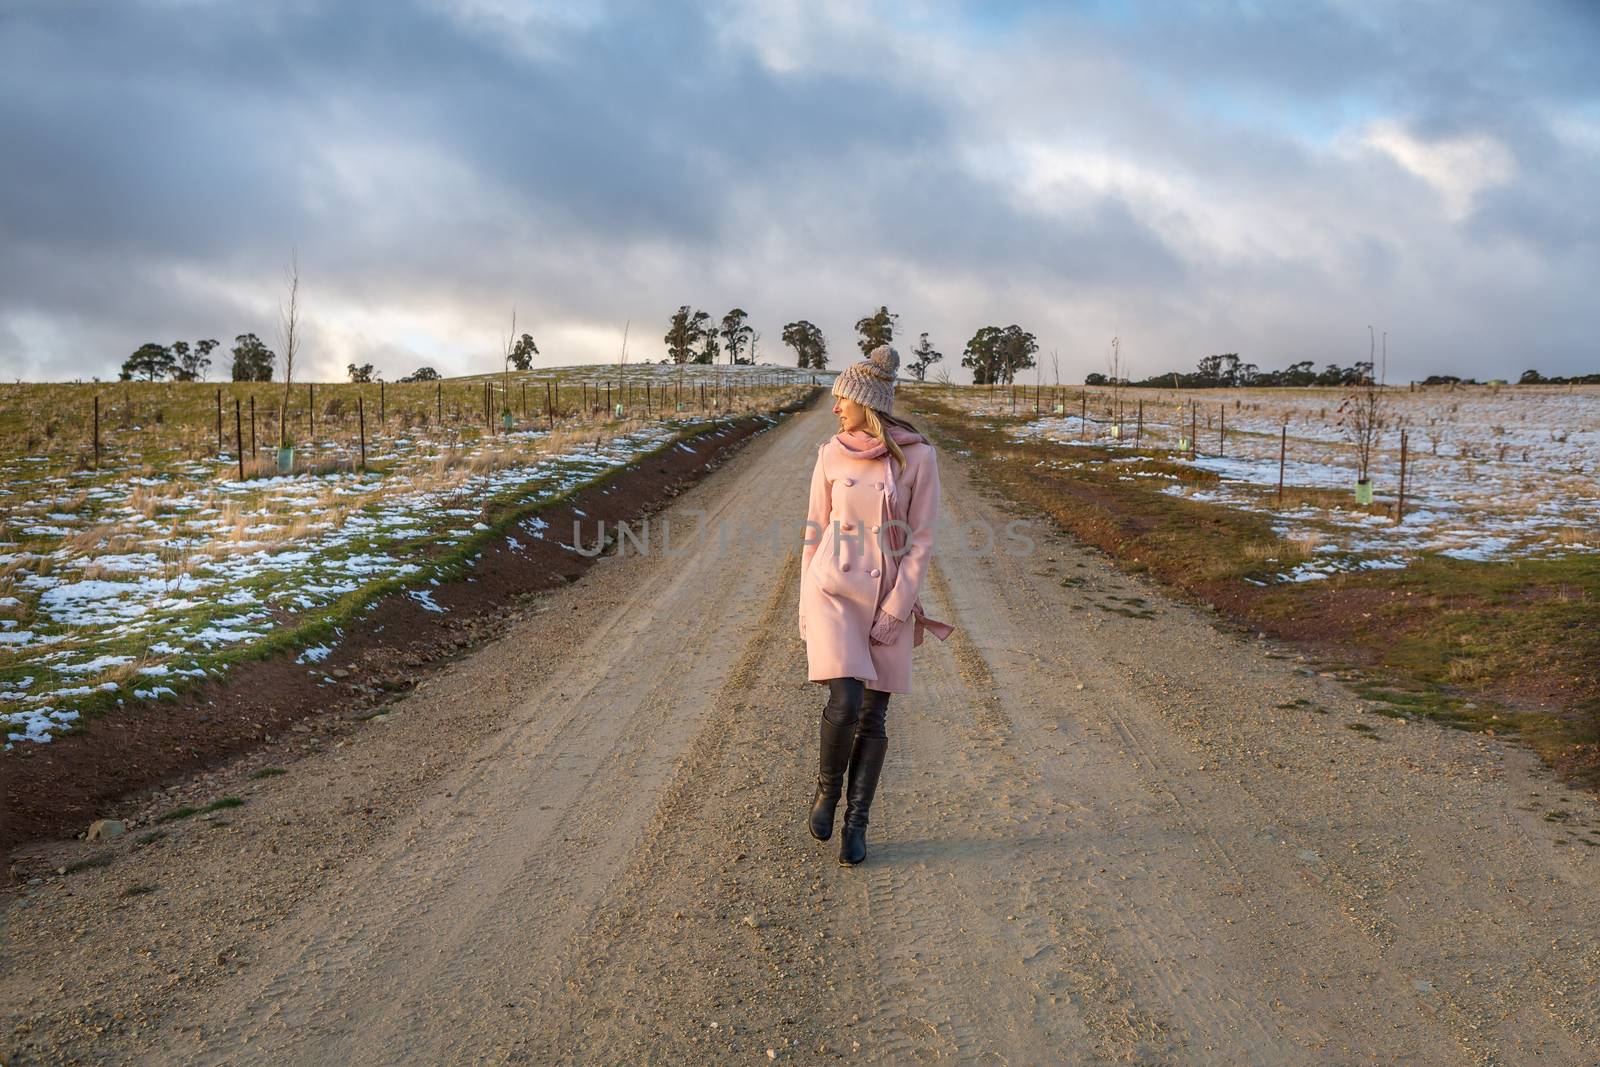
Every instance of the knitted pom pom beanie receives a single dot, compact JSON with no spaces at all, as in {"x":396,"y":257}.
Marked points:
{"x":870,"y":382}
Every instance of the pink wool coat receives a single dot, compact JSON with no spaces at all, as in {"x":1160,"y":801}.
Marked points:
{"x":850,"y":566}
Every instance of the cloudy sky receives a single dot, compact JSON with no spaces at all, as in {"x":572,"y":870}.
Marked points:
{"x":1266,"y":178}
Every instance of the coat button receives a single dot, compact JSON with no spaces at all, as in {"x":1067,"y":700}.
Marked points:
{"x":844,"y":566}
{"x":849,"y":481}
{"x":874,"y":527}
{"x":875,"y":572}
{"x":877,"y":485}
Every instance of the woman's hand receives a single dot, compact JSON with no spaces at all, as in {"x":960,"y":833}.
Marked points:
{"x":885,"y":628}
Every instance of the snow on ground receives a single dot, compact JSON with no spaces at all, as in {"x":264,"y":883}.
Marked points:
{"x":1492,"y":473}
{"x":114,"y":578}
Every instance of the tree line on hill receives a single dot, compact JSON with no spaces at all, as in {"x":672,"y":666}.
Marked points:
{"x":179,"y":361}
{"x":694,"y":337}
{"x":1227,"y":371}
{"x":253,"y":361}
{"x":1529,"y":377}
{"x":1533,"y":377}
{"x":182,"y":362}
{"x":994,"y":354}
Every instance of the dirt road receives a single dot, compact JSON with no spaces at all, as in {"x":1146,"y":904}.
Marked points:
{"x":1106,"y":833}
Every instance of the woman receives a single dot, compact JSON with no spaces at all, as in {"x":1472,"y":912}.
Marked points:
{"x":869,"y":537}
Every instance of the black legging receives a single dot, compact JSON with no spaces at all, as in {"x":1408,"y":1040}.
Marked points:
{"x":851,"y":703}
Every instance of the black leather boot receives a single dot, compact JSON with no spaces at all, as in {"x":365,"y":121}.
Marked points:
{"x":866,"y":762}
{"x":835,"y":757}
{"x":840,"y":718}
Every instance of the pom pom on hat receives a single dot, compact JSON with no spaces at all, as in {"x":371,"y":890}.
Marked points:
{"x":885,"y":358}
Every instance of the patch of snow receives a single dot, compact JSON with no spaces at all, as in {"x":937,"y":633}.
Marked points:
{"x":425,"y":598}
{"x":94,"y":666}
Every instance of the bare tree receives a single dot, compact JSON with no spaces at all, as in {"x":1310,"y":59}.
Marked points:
{"x":289,"y":341}
{"x":622,"y":357}
{"x":1118,"y":373}
{"x":1362,"y":413}
{"x":509,"y":350}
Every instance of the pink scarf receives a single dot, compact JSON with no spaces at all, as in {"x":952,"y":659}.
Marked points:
{"x":859,"y":444}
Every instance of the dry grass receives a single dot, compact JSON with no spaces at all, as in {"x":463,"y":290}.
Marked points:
{"x":95,"y":540}
{"x":1305,"y":544}
{"x":1291,"y":550}
{"x":12,"y":567}
{"x":151,"y":500}
{"x":258,"y":468}
{"x":326,"y":465}
{"x":121,"y":672}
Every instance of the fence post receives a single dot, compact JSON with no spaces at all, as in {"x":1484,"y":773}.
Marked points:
{"x":238,"y":433}
{"x":1138,"y":432}
{"x":1194,"y":426}
{"x":219,"y":419}
{"x":311,"y":411}
{"x":1283,"y":451}
{"x":361,"y":426}
{"x":383,"y":403}
{"x":253,"y":449}
{"x":1400,"y":500}
{"x":438,"y":399}
{"x":549,"y":406}
{"x":1222,"y":428}
{"x":1083,"y":415}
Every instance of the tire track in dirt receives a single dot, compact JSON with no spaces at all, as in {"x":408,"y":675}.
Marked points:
{"x":682,"y":803}
{"x":694,"y":834}
{"x":937,"y":996}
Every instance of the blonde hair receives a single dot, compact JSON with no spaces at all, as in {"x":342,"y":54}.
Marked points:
{"x":877,"y":425}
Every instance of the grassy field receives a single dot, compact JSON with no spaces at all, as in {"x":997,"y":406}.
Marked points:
{"x":126,"y":575}
{"x":1493,"y":632}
